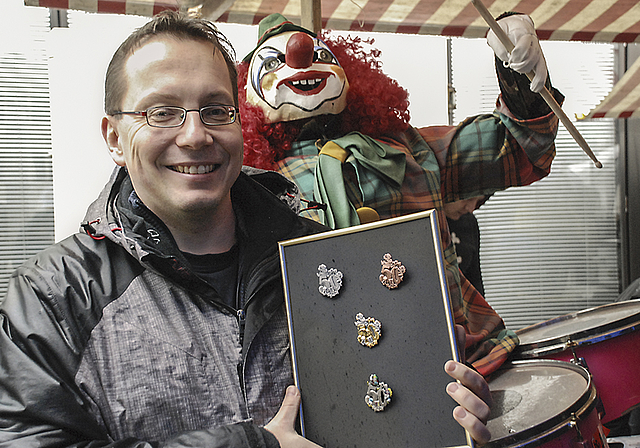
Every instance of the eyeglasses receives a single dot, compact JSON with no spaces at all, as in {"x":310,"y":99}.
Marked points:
{"x":174,"y":116}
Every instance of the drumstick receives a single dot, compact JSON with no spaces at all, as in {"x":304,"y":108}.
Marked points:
{"x":546,"y":95}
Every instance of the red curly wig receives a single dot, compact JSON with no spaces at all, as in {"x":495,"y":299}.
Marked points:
{"x":376,"y":104}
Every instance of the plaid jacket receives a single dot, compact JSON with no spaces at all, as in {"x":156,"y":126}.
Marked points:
{"x":480,"y":156}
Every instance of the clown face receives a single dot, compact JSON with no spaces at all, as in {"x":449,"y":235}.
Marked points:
{"x":293,"y":76}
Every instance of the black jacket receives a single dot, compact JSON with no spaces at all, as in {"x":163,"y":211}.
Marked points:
{"x":109,"y":338}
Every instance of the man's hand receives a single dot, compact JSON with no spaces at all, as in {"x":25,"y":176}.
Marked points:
{"x":283,"y":423}
{"x":474,"y":398}
{"x":527,"y":55}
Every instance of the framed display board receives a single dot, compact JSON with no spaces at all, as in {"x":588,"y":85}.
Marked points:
{"x":371,"y":328}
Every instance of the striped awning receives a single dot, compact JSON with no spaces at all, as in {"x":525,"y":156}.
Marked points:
{"x":578,"y":20}
{"x":133,"y":7}
{"x":624,"y":100}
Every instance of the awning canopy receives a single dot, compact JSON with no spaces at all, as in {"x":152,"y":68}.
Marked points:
{"x":569,"y":20}
{"x":624,"y":100}
{"x":581,"y":20}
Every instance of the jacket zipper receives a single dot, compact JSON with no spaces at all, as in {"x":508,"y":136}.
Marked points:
{"x":241,"y":316}
{"x":241,"y":305}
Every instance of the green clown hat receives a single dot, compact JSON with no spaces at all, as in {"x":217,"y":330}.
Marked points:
{"x":270,"y":26}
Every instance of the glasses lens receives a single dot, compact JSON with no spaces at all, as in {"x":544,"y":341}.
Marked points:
{"x":215,"y":115}
{"x":165,"y":117}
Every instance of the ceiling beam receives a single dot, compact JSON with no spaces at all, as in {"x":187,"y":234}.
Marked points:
{"x":311,"y":15}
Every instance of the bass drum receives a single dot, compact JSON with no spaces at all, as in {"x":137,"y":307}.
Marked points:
{"x":543,"y":403}
{"x":606,"y":338}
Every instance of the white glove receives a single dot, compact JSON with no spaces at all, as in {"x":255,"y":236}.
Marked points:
{"x":527,"y":55}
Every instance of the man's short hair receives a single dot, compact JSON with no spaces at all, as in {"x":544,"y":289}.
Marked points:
{"x":170,"y":23}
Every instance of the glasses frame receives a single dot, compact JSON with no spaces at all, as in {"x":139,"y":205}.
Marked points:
{"x":145,"y":114}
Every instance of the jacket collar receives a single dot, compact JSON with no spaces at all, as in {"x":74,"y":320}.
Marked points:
{"x":265,"y":203}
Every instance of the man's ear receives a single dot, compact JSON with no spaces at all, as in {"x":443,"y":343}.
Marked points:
{"x":112,"y":139}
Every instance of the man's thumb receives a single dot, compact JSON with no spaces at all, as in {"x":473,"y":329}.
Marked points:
{"x":286,"y":416}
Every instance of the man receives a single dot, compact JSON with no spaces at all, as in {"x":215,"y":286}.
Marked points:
{"x":465,"y":236}
{"x":163,"y":324}
{"x":323,"y":113}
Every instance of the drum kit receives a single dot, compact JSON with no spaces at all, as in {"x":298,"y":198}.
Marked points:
{"x":571,"y":380}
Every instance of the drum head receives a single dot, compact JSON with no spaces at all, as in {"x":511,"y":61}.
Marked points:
{"x":532,"y":398}
{"x":611,"y":318}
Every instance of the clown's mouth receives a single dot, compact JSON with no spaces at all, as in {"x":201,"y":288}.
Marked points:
{"x":307,"y":83}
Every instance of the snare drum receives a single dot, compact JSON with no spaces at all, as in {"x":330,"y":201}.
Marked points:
{"x":606,"y":338}
{"x":543,"y":403}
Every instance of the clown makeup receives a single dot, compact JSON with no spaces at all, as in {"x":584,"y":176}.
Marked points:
{"x":293,"y":75}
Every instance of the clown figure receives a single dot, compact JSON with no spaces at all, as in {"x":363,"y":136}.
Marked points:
{"x":319,"y":110}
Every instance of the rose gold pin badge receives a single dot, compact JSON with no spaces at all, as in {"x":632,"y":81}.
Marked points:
{"x":392,"y":272}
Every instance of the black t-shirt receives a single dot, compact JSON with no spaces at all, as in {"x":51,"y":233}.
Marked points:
{"x":220,"y":271}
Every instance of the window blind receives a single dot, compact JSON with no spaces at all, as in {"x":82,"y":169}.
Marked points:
{"x":26,"y":183}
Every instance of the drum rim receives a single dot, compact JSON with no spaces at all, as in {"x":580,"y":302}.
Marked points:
{"x":587,"y":336}
{"x":555,"y":425}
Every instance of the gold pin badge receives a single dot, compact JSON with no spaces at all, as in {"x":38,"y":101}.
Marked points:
{"x":369,"y":330}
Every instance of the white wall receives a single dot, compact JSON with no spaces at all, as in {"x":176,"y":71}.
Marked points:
{"x":78,"y":59}
{"x":81,"y":163}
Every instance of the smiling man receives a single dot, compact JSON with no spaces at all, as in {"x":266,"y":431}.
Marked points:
{"x":181,"y":169}
{"x":162,"y":324}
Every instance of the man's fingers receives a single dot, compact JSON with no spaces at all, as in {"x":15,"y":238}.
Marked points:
{"x":468,"y":421}
{"x":474,"y":397}
{"x":469,"y":401}
{"x":470,"y":379}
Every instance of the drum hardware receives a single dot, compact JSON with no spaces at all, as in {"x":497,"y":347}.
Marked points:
{"x":571,"y":345}
{"x":573,"y":424}
{"x":580,"y":361}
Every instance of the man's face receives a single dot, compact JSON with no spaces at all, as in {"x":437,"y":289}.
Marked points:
{"x":293,"y":76}
{"x":181,"y":170}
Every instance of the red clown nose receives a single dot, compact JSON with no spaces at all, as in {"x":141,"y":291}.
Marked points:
{"x":299,"y":51}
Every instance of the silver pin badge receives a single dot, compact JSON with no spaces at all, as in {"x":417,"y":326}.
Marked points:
{"x":378,"y":393}
{"x":369,"y":330}
{"x":392,"y":272}
{"x":330,"y":281}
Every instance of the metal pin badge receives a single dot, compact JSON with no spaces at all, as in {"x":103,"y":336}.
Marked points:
{"x":330,"y":281}
{"x":369,"y":330}
{"x":378,"y":393}
{"x":392,"y":272}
